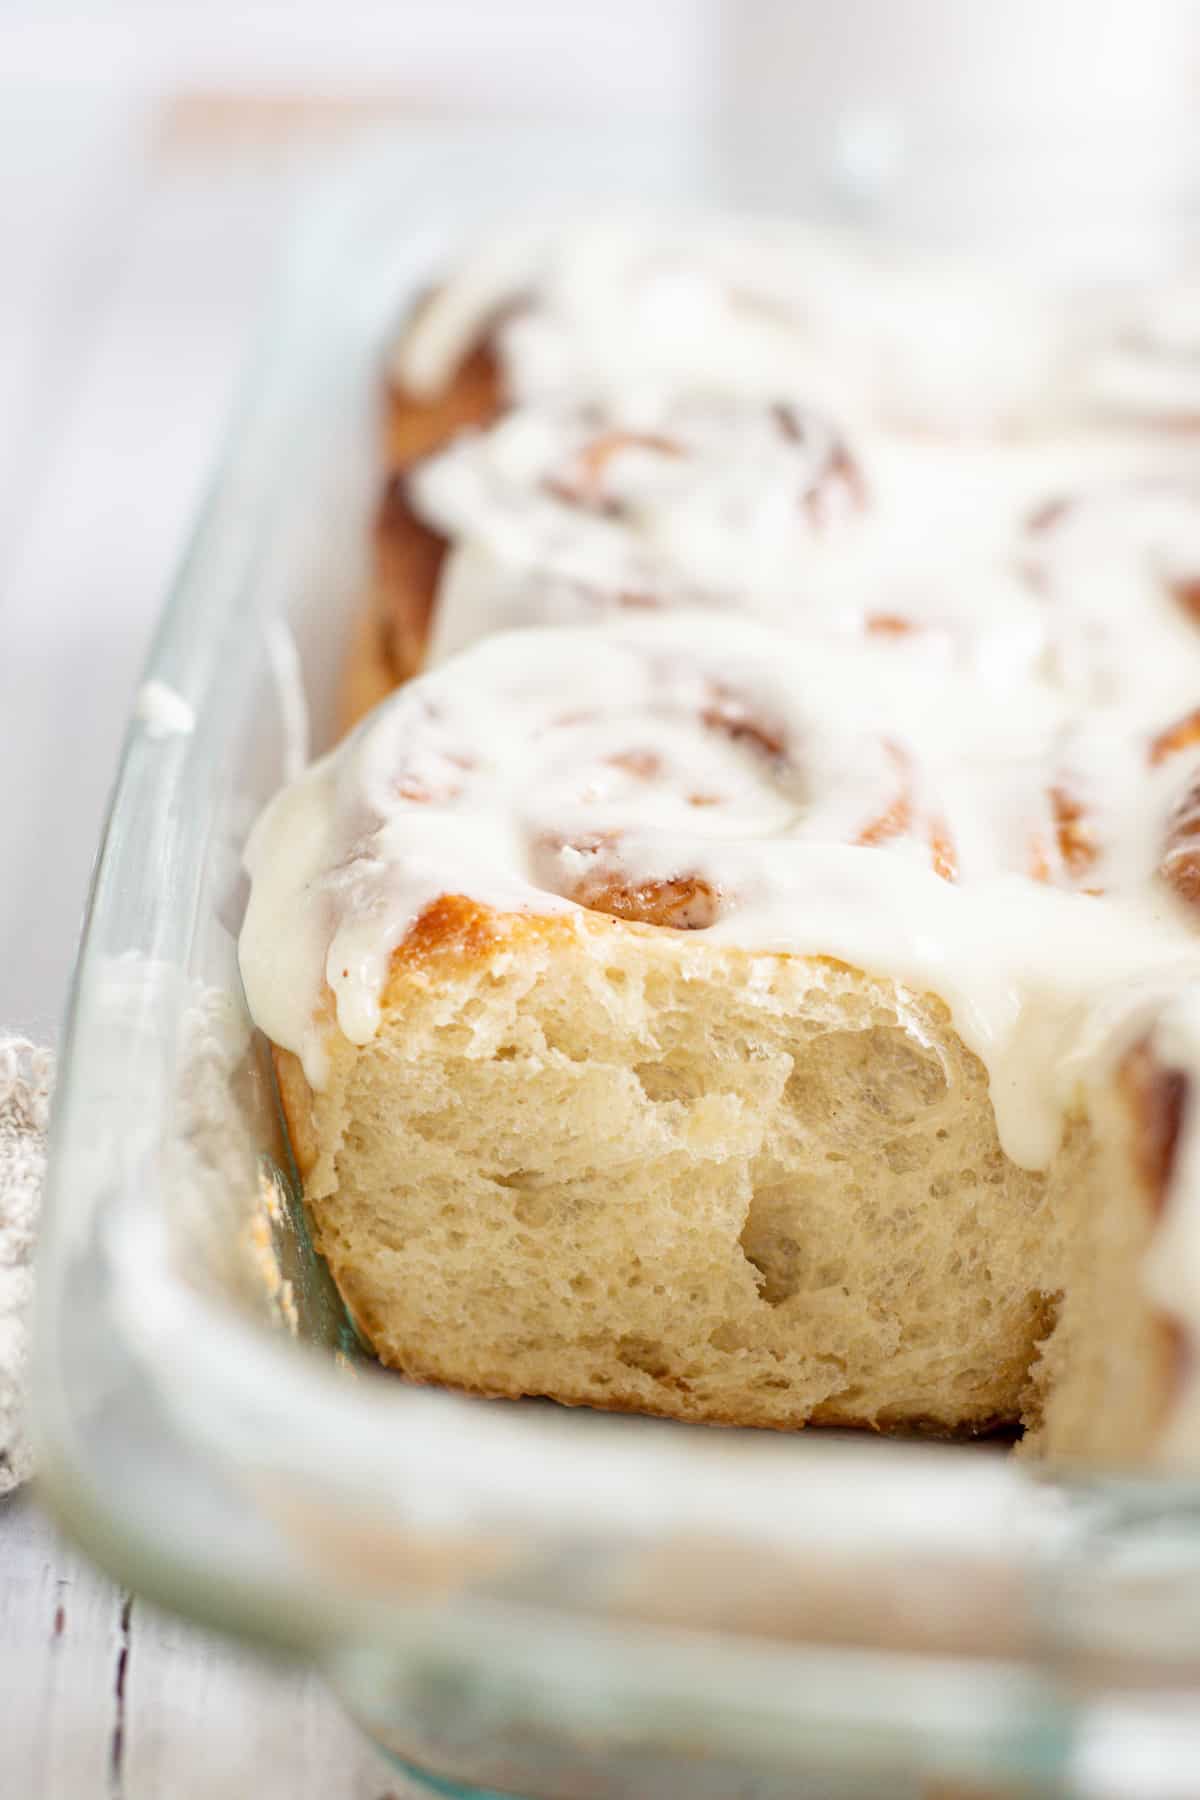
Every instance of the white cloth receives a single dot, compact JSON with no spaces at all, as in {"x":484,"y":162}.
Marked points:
{"x":26,"y":1075}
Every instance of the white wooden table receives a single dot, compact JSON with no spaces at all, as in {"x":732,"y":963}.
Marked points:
{"x":101,"y":1698}
{"x":135,"y":250}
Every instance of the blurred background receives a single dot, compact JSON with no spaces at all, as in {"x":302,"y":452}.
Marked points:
{"x":153,"y":154}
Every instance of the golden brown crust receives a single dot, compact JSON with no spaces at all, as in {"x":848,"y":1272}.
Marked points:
{"x":452,"y":929}
{"x":1156,"y":1099}
{"x":1181,"y":734}
{"x":1185,"y":591}
{"x":367,"y":676}
{"x":1075,"y":834}
{"x":296,"y":1099}
{"x":685,"y":904}
{"x":455,"y":931}
{"x":408,"y":564}
{"x":1180,"y":862}
{"x":416,"y":427}
{"x":408,"y":555}
{"x":679,"y":1406}
{"x":390,"y":642}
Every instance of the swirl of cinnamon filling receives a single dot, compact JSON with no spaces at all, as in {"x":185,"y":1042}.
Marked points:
{"x":667,"y":771}
{"x":672,"y":499}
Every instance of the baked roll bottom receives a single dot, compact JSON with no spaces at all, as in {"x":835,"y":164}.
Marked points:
{"x":626,"y":1168}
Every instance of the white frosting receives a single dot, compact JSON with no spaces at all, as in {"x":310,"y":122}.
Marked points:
{"x":768,"y":767}
{"x":642,"y":457}
{"x":164,"y":711}
{"x":1150,"y":367}
{"x":753,"y":309}
{"x":739,"y":518}
{"x":681,"y":499}
{"x":918,"y":343}
{"x":875,"y":595}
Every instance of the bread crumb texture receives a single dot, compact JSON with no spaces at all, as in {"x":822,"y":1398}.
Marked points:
{"x":627,"y":1168}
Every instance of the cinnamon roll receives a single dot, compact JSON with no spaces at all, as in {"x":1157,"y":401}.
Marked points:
{"x":668,"y":1017}
{"x":749,"y":968}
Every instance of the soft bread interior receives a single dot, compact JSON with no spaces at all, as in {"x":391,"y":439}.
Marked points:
{"x":630,"y":1168}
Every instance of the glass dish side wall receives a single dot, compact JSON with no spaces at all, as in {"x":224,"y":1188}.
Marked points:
{"x":489,"y":1585}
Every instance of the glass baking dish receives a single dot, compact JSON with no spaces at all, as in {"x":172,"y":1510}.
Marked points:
{"x":511,"y":1598}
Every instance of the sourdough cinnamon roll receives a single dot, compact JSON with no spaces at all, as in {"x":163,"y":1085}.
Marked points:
{"x":679,"y":973}
{"x":764,"y":986}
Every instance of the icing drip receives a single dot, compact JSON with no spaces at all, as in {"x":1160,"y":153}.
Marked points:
{"x":858,"y":800}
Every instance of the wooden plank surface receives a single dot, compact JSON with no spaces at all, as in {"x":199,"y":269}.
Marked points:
{"x":135,"y":265}
{"x":102,"y":1698}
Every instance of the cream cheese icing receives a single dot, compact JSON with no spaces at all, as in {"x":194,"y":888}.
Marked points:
{"x":858,"y":800}
{"x":999,"y":548}
{"x":753,"y":308}
{"x":761,"y":419}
